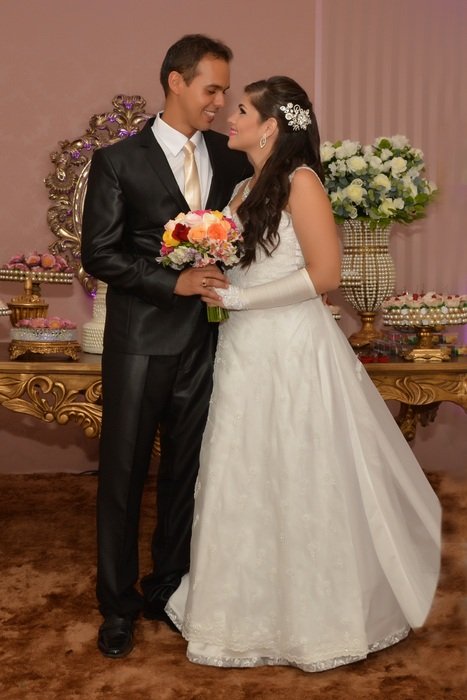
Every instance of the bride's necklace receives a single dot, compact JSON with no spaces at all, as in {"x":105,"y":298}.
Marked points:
{"x":246,"y":190}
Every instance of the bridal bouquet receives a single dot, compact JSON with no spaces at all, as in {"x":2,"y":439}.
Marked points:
{"x":198,"y":239}
{"x":382,"y":182}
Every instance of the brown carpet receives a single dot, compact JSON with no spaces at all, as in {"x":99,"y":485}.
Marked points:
{"x":48,"y":618}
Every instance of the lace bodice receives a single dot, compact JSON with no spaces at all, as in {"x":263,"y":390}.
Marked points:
{"x":286,"y":259}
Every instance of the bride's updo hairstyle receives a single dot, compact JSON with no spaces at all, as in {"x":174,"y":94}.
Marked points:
{"x":297,"y":144}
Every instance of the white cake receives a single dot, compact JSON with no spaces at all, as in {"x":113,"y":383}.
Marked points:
{"x":92,"y":339}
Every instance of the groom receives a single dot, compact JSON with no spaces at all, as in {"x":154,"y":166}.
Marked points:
{"x":158,"y":346}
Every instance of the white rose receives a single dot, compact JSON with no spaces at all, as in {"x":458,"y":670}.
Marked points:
{"x":341,"y":168}
{"x":374,"y":162}
{"x":356,"y":164}
{"x":399,"y":141}
{"x":207,"y":219}
{"x":409,"y":185}
{"x":385,"y":154}
{"x":192,"y":219}
{"x":382,"y":181}
{"x":386,"y":207}
{"x":347,"y":149}
{"x":398,"y":203}
{"x":335,"y":197}
{"x":327,"y":151}
{"x":414,"y":171}
{"x":355,"y":191}
{"x":398,"y":165}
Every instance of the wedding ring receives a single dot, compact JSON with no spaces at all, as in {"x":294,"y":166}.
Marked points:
{"x":204,"y":282}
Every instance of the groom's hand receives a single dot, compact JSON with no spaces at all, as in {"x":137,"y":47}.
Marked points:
{"x":200,"y":281}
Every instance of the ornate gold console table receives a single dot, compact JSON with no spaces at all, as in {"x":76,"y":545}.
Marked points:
{"x":420,"y":387}
{"x":53,"y":390}
{"x":63,"y":390}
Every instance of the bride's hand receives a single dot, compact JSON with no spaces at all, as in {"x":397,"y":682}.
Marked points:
{"x":213,"y":299}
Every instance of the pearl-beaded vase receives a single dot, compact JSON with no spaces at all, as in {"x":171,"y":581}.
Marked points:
{"x":366,"y":254}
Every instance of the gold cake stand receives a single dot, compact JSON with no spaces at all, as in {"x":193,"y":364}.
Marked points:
{"x":427,"y":348}
{"x":30,"y":304}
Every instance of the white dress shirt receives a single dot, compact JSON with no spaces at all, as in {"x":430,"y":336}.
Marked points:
{"x":172,"y":142}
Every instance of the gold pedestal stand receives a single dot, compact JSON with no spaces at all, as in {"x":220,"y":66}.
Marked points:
{"x":367,"y":333}
{"x":17,"y":348}
{"x":27,"y":305}
{"x":426,"y":349}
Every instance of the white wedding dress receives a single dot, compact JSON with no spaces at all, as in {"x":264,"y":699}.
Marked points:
{"x":316,"y":536}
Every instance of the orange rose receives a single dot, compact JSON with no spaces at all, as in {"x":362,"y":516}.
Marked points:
{"x":196,"y":234}
{"x":217,"y":232}
{"x":47,"y":261}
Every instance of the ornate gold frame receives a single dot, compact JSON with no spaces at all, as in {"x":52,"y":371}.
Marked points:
{"x":67,"y":183}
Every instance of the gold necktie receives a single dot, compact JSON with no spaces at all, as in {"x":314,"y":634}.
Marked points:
{"x":192,"y":186}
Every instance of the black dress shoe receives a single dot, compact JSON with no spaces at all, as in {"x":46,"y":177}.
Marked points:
{"x":115,"y":639}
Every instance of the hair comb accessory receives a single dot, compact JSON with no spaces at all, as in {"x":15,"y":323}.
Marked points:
{"x":296,"y":116}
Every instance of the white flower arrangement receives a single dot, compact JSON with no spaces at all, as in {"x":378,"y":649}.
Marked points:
{"x":382,"y":182}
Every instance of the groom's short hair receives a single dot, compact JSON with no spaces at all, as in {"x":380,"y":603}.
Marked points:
{"x":187,"y":52}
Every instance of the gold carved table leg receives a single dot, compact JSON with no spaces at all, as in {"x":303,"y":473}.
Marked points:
{"x":409,"y":416}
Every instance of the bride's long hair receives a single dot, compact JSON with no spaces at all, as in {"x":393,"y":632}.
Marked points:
{"x":261,"y":211}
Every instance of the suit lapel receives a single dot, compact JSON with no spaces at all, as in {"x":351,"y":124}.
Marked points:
{"x":160,"y":165}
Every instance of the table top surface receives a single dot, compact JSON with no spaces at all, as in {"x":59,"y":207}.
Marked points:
{"x":91,"y":364}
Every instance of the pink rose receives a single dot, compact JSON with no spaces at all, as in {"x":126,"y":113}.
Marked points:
{"x":68,"y":324}
{"x":38,"y":322}
{"x":18,"y":258}
{"x":32,"y":259}
{"x":61,"y":262}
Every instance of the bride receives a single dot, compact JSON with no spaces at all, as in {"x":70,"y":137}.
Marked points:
{"x":316,"y":536}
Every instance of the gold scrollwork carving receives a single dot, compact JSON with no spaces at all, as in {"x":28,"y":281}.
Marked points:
{"x":50,"y":401}
{"x":67,"y":183}
{"x":417,"y":391}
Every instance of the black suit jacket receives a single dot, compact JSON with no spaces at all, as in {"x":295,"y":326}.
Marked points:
{"x":131,"y":194}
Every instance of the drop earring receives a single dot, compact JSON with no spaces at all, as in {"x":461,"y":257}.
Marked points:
{"x":263,"y":141}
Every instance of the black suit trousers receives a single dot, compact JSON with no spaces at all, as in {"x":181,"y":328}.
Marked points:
{"x":141,"y":392}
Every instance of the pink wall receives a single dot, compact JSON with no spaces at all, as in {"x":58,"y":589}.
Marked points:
{"x":374,"y":68}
